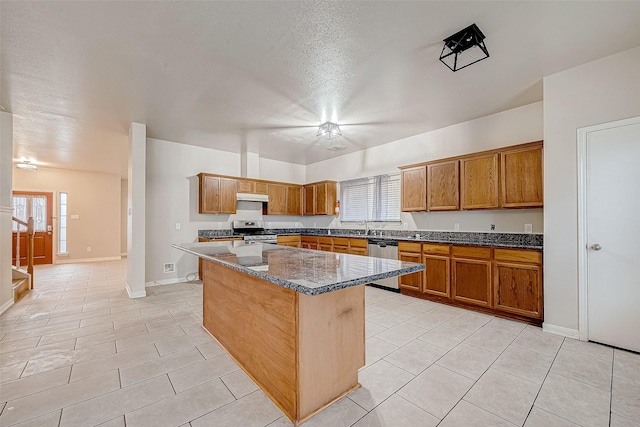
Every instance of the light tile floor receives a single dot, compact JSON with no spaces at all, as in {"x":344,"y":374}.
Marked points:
{"x":77,"y":351}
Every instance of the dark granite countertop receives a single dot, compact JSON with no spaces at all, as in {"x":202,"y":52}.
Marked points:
{"x":504,"y":240}
{"x":302,"y":270}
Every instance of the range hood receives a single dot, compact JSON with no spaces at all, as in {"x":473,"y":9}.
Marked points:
{"x":248,"y":197}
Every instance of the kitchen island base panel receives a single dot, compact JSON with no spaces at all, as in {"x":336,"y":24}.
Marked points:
{"x":303,"y":351}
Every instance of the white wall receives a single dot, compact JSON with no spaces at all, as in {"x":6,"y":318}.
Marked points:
{"x":274,"y":170}
{"x":172,"y":197}
{"x":6,"y":165}
{"x":93,"y":196}
{"x":124,"y":197}
{"x":598,"y":92}
{"x":517,"y":126}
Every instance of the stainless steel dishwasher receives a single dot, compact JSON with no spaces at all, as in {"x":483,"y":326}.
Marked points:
{"x":387,"y":249}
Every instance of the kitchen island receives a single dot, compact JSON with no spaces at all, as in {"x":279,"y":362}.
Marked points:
{"x":293,"y":319}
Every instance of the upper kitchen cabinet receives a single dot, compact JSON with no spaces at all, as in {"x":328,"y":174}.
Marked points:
{"x":414,"y":189}
{"x":442,"y":186}
{"x":277,"y":200}
{"x":479,"y":182}
{"x":217,"y":194}
{"x":521,"y":178}
{"x":320,"y":198}
{"x":252,"y":187}
{"x":294,"y":200}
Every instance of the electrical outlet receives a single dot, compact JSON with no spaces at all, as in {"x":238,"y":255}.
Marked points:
{"x":169,"y":267}
{"x":528,"y":228}
{"x":178,"y":226}
{"x":456,"y":226}
{"x":88,"y":248}
{"x":405,"y":225}
{"x":268,"y":225}
{"x":493,"y":227}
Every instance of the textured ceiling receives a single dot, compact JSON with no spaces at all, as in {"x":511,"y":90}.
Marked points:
{"x":261,"y":76}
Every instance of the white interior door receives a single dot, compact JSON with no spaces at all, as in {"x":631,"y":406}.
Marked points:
{"x":613,"y":235}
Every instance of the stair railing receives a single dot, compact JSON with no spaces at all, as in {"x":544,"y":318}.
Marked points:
{"x":30,"y":233}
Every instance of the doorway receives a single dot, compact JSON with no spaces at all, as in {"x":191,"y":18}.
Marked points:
{"x":609,"y":251}
{"x":39,"y":206}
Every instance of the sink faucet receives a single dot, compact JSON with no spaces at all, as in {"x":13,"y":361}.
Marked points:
{"x":366,"y":227}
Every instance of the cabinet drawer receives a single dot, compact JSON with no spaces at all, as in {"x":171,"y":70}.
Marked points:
{"x":409,"y":247}
{"x":309,"y":239}
{"x":518,"y":255}
{"x":325,"y":240}
{"x":340,"y":241}
{"x":435,"y":249}
{"x":471,"y":252}
{"x":358,"y":243}
{"x":288,"y":239}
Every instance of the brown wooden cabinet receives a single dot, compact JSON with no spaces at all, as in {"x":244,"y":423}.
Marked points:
{"x":479,"y":182}
{"x":340,"y":245}
{"x":320,"y":198}
{"x":471,"y":275}
{"x":309,"y":242}
{"x":437,"y":272}
{"x":521,"y":178}
{"x":277,"y":200}
{"x":293,"y":241}
{"x":411,"y":252}
{"x":442,"y":186}
{"x":294,"y":200}
{"x":217,"y":195}
{"x":359,"y":247}
{"x":413,"y":189}
{"x":517,"y":282}
{"x":252,"y":186}
{"x":325,"y":244}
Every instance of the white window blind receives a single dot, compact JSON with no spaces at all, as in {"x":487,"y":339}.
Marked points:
{"x":376,"y":198}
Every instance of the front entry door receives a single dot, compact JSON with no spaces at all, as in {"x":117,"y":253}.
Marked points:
{"x":612,"y":234}
{"x":40,"y":207}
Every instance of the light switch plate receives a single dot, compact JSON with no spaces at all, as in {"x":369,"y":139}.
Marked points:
{"x":75,"y":216}
{"x":178,"y":226}
{"x":528,"y":228}
{"x":456,"y":226}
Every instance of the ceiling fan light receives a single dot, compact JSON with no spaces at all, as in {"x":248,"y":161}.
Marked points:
{"x":27,"y":165}
{"x":329,"y":130}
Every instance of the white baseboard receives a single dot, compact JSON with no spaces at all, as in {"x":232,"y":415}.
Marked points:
{"x":6,"y":305}
{"x":170,"y":281}
{"x":561,"y":330}
{"x":74,"y":261}
{"x":139,"y":294}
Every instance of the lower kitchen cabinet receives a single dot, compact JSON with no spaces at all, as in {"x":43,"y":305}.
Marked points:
{"x":437,"y":275}
{"x":410,"y":252}
{"x":309,"y":242}
{"x":359,"y":247}
{"x":325,"y":244}
{"x":292,"y":241}
{"x":472,"y":281}
{"x":517,"y":281}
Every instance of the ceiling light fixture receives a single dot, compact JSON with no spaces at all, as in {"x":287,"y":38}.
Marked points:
{"x":329,"y":130}
{"x":27,"y":165}
{"x":464,"y":48}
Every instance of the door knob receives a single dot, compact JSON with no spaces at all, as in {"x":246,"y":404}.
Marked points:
{"x":596,"y":247}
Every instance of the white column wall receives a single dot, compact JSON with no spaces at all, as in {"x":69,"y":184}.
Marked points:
{"x":136,"y":223}
{"x":6,"y":167}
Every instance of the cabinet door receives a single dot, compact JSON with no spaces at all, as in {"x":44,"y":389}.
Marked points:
{"x":228,"y":190}
{"x":437,"y":275}
{"x":294,"y":200}
{"x":411,"y":281}
{"x":341,"y":249}
{"x":325,"y":247}
{"x":309,"y":200}
{"x":442,"y":186}
{"x":277,"y":200}
{"x":518,"y":288}
{"x":321,"y":199}
{"x":358,"y":251}
{"x":521,"y":178}
{"x":246,"y":186}
{"x":261,"y":187}
{"x":209,"y":194}
{"x":479,"y":182}
{"x":472,"y":281}
{"x":414,"y":189}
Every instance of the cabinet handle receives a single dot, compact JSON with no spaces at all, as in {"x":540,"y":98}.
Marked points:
{"x":596,"y":247}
